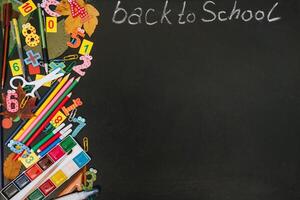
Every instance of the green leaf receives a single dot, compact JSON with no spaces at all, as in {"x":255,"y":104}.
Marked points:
{"x":56,"y":42}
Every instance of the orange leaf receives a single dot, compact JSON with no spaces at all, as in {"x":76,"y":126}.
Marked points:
{"x":72,"y":24}
{"x":91,"y":10}
{"x":90,"y":25}
{"x":11,"y":167}
{"x":63,"y":8}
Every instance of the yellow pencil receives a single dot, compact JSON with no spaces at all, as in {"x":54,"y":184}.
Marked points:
{"x":55,"y":91}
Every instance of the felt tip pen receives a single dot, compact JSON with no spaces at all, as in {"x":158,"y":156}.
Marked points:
{"x":79,"y":195}
{"x":56,"y":142}
{"x":47,"y":137}
{"x":54,"y":137}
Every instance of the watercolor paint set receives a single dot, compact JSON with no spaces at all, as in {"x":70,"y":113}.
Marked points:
{"x":49,"y":173}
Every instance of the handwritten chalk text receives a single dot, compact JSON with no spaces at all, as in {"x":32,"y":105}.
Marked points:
{"x":209,"y":12}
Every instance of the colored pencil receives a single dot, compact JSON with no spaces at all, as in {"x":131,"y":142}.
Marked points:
{"x":42,"y":113}
{"x":49,"y":109}
{"x":41,"y":108}
{"x":45,"y":120}
{"x":48,"y":119}
{"x":38,"y":105}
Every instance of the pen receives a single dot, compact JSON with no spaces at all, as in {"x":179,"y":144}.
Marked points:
{"x":19,"y":44}
{"x":7,"y":12}
{"x":43,"y":37}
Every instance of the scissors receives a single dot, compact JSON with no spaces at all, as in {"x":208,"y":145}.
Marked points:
{"x":37,"y":83}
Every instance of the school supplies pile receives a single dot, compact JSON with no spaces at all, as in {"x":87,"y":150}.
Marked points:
{"x":46,"y":51}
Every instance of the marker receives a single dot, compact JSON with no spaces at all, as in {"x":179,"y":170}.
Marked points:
{"x":79,"y":195}
{"x":57,"y":141}
{"x":45,"y":139}
{"x":54,"y":137}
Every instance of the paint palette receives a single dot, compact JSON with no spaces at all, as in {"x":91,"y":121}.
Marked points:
{"x":49,"y":173}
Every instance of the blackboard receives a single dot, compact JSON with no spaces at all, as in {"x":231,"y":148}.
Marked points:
{"x":207,"y":110}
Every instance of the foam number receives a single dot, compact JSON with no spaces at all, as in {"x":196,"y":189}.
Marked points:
{"x":77,"y":10}
{"x":91,"y":178}
{"x":27,"y":7}
{"x":51,"y":24}
{"x":58,"y":119}
{"x":16,"y":67}
{"x":46,"y":5}
{"x":18,"y":147}
{"x":29,"y":32}
{"x":86,"y":47}
{"x":81,"y":124}
{"x":76,"y":103}
{"x":31,"y":159}
{"x":12,"y":104}
{"x":53,"y":66}
{"x":86,"y":64}
{"x":75,"y":39}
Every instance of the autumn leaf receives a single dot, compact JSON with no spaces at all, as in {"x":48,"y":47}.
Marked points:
{"x":92,"y":10}
{"x":72,"y":23}
{"x":63,"y":8}
{"x":11,"y":167}
{"x":90,"y":25}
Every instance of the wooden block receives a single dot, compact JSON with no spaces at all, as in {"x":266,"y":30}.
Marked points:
{"x":27,"y":7}
{"x":51,"y":24}
{"x":30,"y":160}
{"x":58,"y":119}
{"x":16,"y":67}
{"x":86,"y":47}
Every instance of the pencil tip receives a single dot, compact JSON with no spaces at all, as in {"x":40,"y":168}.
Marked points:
{"x":78,"y":79}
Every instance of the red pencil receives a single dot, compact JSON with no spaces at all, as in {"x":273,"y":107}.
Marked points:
{"x":45,"y":123}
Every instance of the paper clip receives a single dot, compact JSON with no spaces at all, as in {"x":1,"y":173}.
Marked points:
{"x":24,"y":101}
{"x":72,"y":115}
{"x":71,"y":57}
{"x":86,"y":144}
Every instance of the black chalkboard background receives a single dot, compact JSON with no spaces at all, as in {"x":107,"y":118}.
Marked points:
{"x":203,"y":111}
{"x":207,"y":111}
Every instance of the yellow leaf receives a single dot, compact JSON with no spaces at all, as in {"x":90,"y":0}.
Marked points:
{"x":81,"y":2}
{"x":63,"y":8}
{"x":72,"y":24}
{"x":90,"y":25}
{"x":91,"y":10}
{"x":11,"y":167}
